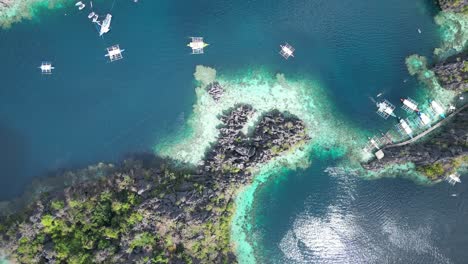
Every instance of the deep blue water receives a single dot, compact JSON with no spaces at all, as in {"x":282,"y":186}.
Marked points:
{"x":310,"y":217}
{"x":91,"y":110}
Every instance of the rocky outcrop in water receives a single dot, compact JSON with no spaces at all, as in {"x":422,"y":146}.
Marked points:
{"x":234,"y":152}
{"x":6,"y":3}
{"x":454,"y":5}
{"x":215,"y":90}
{"x":146,"y":210}
{"x":443,"y":153}
{"x":453,"y":73}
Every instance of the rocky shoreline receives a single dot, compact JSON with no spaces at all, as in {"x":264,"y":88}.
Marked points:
{"x":453,"y":73}
{"x":444,"y":150}
{"x":459,"y":6}
{"x":149,"y":209}
{"x":435,"y":158}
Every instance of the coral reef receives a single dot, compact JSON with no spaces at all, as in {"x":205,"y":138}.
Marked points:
{"x":147,"y":209}
{"x":454,"y":33}
{"x":13,"y":11}
{"x":268,"y":95}
{"x":418,"y":66}
{"x":332,"y":134}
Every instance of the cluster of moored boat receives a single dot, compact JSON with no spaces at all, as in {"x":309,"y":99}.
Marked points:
{"x":405,"y":126}
{"x":197,"y":44}
{"x":93,"y":16}
{"x":113,"y":53}
{"x":104,"y":26}
{"x":386,"y":109}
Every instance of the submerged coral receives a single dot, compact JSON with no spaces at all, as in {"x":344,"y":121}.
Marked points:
{"x":418,"y":66}
{"x":330,"y":135}
{"x":13,"y":11}
{"x":304,"y":99}
{"x":454,"y":33}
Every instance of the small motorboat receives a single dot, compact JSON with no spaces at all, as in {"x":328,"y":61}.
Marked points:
{"x":80,"y":5}
{"x":91,"y":15}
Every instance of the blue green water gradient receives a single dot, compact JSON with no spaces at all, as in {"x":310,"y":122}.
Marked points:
{"x":90,"y":110}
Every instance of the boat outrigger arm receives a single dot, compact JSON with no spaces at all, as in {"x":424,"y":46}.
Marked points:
{"x":105,"y":25}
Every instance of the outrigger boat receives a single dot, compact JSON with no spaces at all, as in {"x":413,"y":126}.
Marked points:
{"x":409,"y":105}
{"x":114,"y":53}
{"x":46,"y":67}
{"x":437,"y":108}
{"x":404,"y":128}
{"x":424,"y":119}
{"x":197,"y":45}
{"x":105,"y":25}
{"x":453,"y":178}
{"x":385,"y":109}
{"x":287,"y":51}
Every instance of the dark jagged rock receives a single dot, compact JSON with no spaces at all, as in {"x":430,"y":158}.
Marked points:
{"x":453,"y":73}
{"x":458,"y":6}
{"x":6,"y":3}
{"x":443,"y":153}
{"x":215,"y":90}
{"x":234,"y":152}
{"x":146,"y":210}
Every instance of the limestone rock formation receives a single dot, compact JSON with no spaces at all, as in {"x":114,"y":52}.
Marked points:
{"x":453,"y":72}
{"x":454,"y":5}
{"x":146,"y":209}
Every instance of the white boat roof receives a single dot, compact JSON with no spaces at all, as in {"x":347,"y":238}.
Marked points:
{"x":384,"y":107}
{"x":410,"y":104}
{"x":114,"y":52}
{"x":437,"y":107}
{"x":287,"y":50}
{"x":406,"y":127}
{"x":425,"y":119}
{"x":197,"y":44}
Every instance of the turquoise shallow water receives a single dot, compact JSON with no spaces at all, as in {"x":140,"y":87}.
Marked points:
{"x":90,"y":110}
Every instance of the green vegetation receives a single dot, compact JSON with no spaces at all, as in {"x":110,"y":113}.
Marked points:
{"x":465,"y":66}
{"x":228,"y":168}
{"x":432,"y":171}
{"x":107,"y":218}
{"x":219,"y":230}
{"x":458,"y":162}
{"x":97,"y":223}
{"x":142,"y":240}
